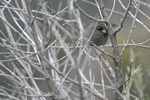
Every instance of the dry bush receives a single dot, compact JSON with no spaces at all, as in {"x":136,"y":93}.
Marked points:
{"x":45,"y":56}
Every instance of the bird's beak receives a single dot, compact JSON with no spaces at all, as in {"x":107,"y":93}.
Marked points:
{"x":104,"y":31}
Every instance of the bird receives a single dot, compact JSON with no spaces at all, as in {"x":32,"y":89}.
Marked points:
{"x":98,"y":34}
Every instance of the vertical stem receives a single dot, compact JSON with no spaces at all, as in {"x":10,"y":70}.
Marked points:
{"x":44,"y":64}
{"x":118,"y":67}
{"x":116,"y":53}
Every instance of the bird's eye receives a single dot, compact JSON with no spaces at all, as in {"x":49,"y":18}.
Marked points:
{"x":98,"y":28}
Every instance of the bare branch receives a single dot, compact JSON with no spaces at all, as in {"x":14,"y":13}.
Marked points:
{"x":123,"y":18}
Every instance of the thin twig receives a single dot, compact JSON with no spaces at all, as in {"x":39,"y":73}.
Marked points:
{"x":129,"y":74}
{"x":132,"y":27}
{"x":88,"y":16}
{"x":123,"y":18}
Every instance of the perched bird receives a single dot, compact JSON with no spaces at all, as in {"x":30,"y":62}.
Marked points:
{"x":98,"y":35}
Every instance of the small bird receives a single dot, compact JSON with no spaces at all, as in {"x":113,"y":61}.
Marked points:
{"x":99,"y":36}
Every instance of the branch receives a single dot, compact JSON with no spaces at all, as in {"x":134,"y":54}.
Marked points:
{"x":123,"y":19}
{"x":88,"y":16}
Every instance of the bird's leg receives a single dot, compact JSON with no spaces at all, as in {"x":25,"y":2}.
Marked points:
{"x":102,"y":54}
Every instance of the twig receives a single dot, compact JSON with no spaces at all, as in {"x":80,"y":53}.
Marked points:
{"x":129,"y":74}
{"x":132,"y":27}
{"x":123,"y":18}
{"x":88,"y":16}
{"x":100,"y":96}
{"x":102,"y":50}
{"x":106,"y":63}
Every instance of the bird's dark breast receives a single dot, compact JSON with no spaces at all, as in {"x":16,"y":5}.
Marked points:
{"x":100,"y":39}
{"x":105,"y":34}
